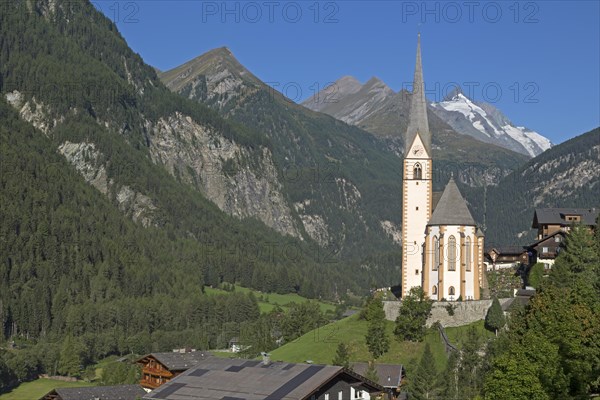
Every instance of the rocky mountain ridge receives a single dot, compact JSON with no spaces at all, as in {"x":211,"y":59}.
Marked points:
{"x":370,"y":106}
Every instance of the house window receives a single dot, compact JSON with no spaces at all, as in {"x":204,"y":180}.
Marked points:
{"x":451,"y":253}
{"x":468,"y":253}
{"x":417,"y":171}
{"x":340,"y":395}
{"x":451,"y":291}
{"x":436,"y":253}
{"x":544,"y":249}
{"x":326,"y":396}
{"x":557,"y":239}
{"x":434,"y":290}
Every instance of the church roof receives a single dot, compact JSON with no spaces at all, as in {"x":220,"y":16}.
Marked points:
{"x":452,"y":208}
{"x":418,"y":108}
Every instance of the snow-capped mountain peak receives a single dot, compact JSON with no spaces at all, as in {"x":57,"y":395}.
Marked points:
{"x":485,"y":122}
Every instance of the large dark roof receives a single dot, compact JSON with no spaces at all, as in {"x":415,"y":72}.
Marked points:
{"x":390,"y":375}
{"x":452,"y":208}
{"x":545,"y":238}
{"x":120,"y":392}
{"x":556,"y":216}
{"x":238,"y":379}
{"x":507,"y":250}
{"x":175,"y":361}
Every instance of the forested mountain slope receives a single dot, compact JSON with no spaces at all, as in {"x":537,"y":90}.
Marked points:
{"x":567,"y":175}
{"x":139,"y":240}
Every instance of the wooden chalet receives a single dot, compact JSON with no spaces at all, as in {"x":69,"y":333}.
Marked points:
{"x":119,"y":392}
{"x":240,"y":379}
{"x":390,"y":376}
{"x":546,"y":250}
{"x":506,"y":257}
{"x":160,"y":368}
{"x":550,"y":220}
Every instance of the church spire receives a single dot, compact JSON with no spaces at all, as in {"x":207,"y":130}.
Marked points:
{"x":418,"y":108}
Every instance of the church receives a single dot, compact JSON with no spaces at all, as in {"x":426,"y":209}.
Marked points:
{"x":442,"y":248}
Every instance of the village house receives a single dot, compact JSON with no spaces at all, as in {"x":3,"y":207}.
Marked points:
{"x":546,"y":250}
{"x":390,"y":376}
{"x":120,"y":392}
{"x":160,"y":368}
{"x":550,"y":220}
{"x":240,"y":379}
{"x":505,"y":257}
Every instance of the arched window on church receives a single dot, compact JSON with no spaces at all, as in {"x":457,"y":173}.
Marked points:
{"x":451,"y":291}
{"x":451,"y":253}
{"x":468,"y":253}
{"x":436,"y":253}
{"x":417,"y":171}
{"x":434,"y":290}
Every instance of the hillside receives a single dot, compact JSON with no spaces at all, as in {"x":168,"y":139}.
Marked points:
{"x":567,"y":175}
{"x":320,"y":345}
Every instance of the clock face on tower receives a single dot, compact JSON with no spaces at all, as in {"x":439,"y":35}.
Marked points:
{"x":418,"y":150}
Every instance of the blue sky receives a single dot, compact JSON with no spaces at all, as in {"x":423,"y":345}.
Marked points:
{"x":538,"y":62}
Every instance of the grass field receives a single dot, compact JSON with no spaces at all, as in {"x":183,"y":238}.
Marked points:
{"x":36,"y":389}
{"x":320,"y":344}
{"x":270,"y":300}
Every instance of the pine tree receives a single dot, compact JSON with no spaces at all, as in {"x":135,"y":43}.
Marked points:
{"x":377,"y":338}
{"x":494,"y":318}
{"x":342,"y":356}
{"x":536,"y":274}
{"x":469,"y":371}
{"x":449,"y":384}
{"x":371,"y":372}
{"x":71,"y":357}
{"x":424,"y":383}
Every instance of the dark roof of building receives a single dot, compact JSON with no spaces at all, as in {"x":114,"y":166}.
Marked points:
{"x":507,"y":250}
{"x":452,"y":208}
{"x":525,"y":293}
{"x":537,"y":242}
{"x":120,"y":392}
{"x":556,"y":216}
{"x":521,"y":299}
{"x":390,"y":375}
{"x":176,"y":361}
{"x":239,"y":379}
{"x":349,"y":313}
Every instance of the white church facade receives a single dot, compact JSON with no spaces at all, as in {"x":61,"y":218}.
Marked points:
{"x":442,"y":248}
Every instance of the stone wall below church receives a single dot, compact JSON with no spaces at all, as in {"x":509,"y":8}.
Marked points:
{"x":465,"y":312}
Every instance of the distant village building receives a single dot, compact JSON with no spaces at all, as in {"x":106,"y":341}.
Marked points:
{"x":160,"y":368}
{"x":442,"y":248}
{"x":550,"y":220}
{"x":546,"y":250}
{"x":506,"y":257}
{"x":553,"y":225}
{"x":239,"y":379}
{"x":120,"y":392}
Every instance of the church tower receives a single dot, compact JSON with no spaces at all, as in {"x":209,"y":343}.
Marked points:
{"x":417,"y":184}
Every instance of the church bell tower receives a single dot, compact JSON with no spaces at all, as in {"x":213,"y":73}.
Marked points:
{"x":417,"y":184}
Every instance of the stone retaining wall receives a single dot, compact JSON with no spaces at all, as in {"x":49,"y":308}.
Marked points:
{"x":465,"y":312}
